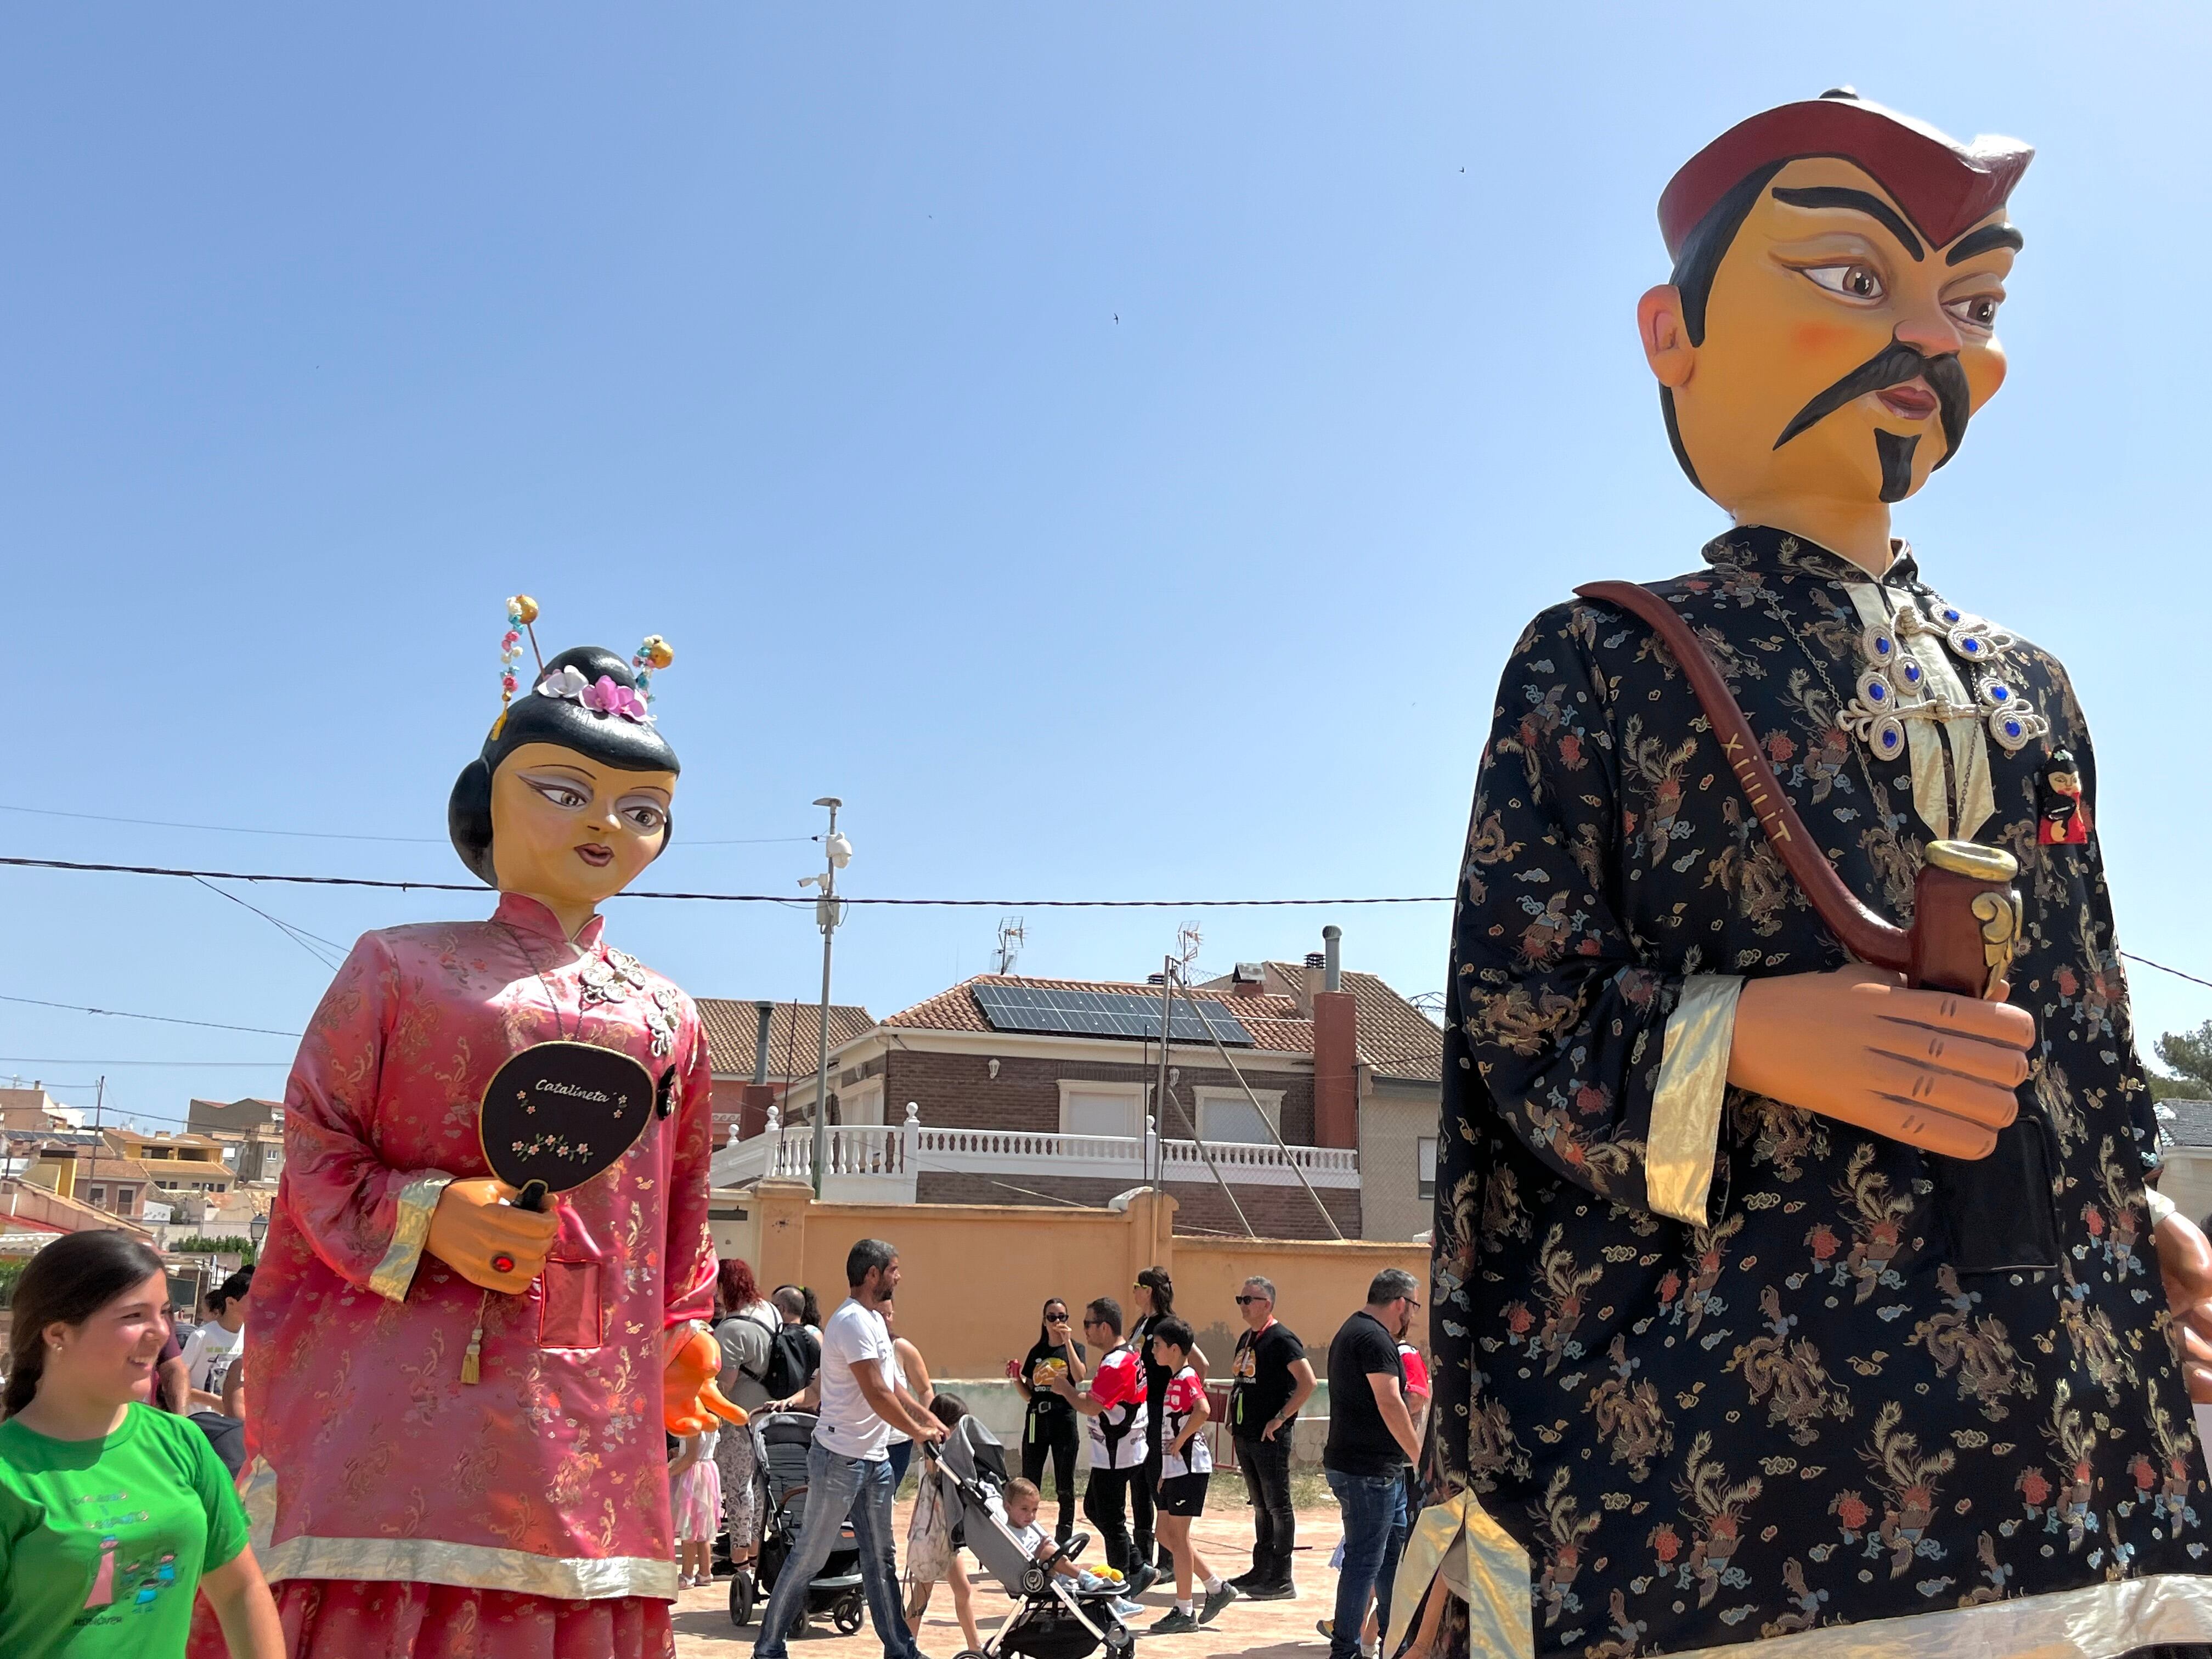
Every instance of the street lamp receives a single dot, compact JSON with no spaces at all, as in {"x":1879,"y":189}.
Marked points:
{"x":258,"y":1228}
{"x":837,"y":852}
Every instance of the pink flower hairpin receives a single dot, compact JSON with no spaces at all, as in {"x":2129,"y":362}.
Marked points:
{"x":604,"y":696}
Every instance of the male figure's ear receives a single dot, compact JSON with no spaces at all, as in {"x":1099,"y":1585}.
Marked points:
{"x":1665,"y":336}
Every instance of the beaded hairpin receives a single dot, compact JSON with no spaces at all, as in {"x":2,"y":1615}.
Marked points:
{"x":521,"y":612}
{"x":654,"y":653}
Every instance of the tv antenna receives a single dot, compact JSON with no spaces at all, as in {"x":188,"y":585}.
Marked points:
{"x":1010,"y":938}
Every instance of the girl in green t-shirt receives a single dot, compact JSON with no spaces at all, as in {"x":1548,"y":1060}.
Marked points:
{"x":112,"y":1513}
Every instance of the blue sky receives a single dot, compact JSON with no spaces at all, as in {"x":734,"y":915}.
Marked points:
{"x":1111,"y":447}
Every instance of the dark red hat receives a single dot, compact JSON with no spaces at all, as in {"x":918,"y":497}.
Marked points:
{"x":1945,"y":187}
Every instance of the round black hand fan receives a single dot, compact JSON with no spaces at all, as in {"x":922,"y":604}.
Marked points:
{"x":560,"y":1113}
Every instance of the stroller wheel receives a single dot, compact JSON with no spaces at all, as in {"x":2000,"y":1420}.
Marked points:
{"x":1118,"y":1639}
{"x":848,"y":1614}
{"x":741,"y":1595}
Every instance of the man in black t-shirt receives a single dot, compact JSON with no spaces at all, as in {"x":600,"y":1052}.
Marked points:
{"x":1371,"y":1443}
{"x":1270,"y":1382}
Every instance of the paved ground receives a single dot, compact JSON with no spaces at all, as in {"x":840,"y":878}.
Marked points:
{"x":1263,"y":1630}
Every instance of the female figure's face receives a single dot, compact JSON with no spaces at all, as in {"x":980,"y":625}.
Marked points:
{"x":108,"y":1360}
{"x":1055,"y":1322}
{"x":573,"y":832}
{"x":1143,"y":1295}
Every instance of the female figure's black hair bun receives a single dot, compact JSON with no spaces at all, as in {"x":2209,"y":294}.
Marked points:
{"x":602,"y":734}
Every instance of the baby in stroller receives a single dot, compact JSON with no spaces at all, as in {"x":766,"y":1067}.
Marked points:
{"x":1066,"y":1611}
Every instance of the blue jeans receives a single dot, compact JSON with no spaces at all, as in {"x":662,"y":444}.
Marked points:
{"x":837,"y":1487}
{"x":1374,"y":1510}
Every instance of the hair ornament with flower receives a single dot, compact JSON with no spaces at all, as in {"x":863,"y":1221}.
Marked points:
{"x":521,"y":612}
{"x":604,"y":695}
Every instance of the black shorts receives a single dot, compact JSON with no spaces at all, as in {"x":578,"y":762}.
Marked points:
{"x":1182,"y":1494}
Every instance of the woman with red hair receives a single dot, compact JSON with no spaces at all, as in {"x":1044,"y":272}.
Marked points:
{"x":744,"y":1327}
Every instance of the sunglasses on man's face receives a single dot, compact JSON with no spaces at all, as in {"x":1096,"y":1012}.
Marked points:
{"x":1247,"y":1301}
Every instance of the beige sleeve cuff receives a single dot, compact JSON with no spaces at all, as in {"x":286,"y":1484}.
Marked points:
{"x":417,"y":1199}
{"x":2160,"y":1206}
{"x":1686,"y":1110}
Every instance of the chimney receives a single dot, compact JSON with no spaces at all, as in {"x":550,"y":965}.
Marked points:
{"x":1336,"y":1047}
{"x":1309,"y":981}
{"x":756,"y":1097}
{"x":1251,"y":980}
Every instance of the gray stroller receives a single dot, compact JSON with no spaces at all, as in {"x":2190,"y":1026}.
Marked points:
{"x":1056,"y":1619}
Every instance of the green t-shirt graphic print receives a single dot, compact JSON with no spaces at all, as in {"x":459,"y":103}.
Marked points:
{"x":103,"y":1542}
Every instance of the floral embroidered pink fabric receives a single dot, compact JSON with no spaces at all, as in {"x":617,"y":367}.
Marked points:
{"x":549,"y":1475}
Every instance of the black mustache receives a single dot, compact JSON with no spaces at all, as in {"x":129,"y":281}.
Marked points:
{"x":1893,"y":365}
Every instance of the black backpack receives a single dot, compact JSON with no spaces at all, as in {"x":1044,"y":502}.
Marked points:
{"x":793,"y":1360}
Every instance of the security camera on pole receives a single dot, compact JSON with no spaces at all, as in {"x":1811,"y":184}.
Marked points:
{"x":837,"y":852}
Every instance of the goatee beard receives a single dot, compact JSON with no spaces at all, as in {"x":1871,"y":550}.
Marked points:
{"x":1896,"y":453}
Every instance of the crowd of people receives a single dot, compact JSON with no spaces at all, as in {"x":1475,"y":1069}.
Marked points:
{"x":1132,"y":1381}
{"x":96,"y":1358}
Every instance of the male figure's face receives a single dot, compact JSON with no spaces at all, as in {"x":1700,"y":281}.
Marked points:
{"x":1843,"y":354}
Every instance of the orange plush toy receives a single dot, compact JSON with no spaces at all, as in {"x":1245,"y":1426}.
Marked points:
{"x":690,"y":1401}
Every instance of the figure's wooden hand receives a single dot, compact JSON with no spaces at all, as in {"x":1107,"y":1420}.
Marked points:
{"x":476,"y":1224}
{"x":2184,"y":1262}
{"x":1935,"y":1070}
{"x":688,"y":1399}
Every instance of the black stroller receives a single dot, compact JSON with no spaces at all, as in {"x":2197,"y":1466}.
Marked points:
{"x":1057,"y":1618}
{"x":780,"y":1439}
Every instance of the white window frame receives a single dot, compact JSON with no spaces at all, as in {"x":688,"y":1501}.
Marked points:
{"x":1271,"y":1107}
{"x":1424,"y":1152}
{"x":97,"y":1196}
{"x":1137,"y":1094}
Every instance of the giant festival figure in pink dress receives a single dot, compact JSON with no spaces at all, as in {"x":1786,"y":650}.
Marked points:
{"x":460,"y":1396}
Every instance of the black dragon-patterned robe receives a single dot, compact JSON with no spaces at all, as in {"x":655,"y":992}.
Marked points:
{"x":1706,"y":1360}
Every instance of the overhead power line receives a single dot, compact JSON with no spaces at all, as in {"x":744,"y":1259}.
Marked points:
{"x":165,"y":1020}
{"x":778,"y":898}
{"x":723,"y":898}
{"x":331,"y":834}
{"x":210,"y":1065}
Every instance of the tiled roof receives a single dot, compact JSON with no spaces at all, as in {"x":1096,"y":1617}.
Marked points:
{"x":2191,"y":1124}
{"x":794,"y":1034}
{"x":1274,"y":1022}
{"x":1394,"y":1037}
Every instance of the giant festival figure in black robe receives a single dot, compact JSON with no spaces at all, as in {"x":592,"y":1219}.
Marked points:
{"x":1720,"y":1359}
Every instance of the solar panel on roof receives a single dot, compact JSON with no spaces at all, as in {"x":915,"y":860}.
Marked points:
{"x":1104,"y":1013}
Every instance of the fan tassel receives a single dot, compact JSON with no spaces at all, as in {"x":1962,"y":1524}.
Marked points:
{"x":472,"y":1362}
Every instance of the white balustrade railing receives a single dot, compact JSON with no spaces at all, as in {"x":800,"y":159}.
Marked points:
{"x":881,"y":1158}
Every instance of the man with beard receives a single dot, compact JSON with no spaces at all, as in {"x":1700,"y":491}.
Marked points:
{"x":1372,"y":1443}
{"x":1765,"y":1306}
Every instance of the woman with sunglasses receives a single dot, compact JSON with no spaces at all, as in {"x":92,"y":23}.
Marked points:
{"x":1050,"y":1429}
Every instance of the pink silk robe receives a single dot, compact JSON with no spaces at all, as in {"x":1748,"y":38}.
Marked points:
{"x":550,"y":1476}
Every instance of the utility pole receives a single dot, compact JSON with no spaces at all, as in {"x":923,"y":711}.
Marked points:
{"x":837,"y":852}
{"x":1159,"y":1113}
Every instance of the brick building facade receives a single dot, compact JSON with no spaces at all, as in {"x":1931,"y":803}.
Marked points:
{"x":952,"y":1101}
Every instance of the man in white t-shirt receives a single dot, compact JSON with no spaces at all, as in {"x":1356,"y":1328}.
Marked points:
{"x":848,"y":1467}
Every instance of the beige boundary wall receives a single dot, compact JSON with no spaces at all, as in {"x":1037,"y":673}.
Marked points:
{"x":975,"y":1276}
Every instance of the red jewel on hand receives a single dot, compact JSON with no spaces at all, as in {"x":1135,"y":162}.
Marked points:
{"x":503,"y":1263}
